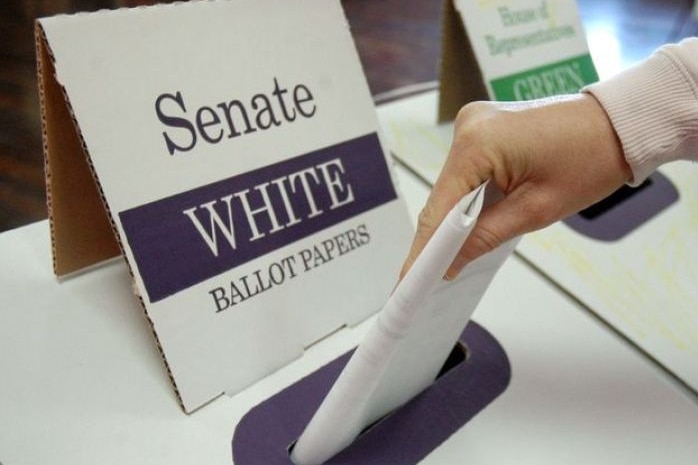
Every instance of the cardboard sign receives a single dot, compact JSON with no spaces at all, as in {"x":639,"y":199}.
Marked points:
{"x":236,"y":153}
{"x":511,"y":50}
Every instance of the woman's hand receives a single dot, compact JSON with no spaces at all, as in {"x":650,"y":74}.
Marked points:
{"x":550,"y":158}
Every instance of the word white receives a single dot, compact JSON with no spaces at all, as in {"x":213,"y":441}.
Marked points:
{"x":320,"y":186}
{"x":208,"y":121}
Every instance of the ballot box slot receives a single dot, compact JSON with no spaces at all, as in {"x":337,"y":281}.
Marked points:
{"x":458,"y":355}
{"x":613,"y":200}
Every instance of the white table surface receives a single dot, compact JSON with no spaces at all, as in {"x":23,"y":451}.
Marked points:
{"x":81,"y":381}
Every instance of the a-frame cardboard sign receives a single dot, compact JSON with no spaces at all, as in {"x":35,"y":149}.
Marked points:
{"x":511,"y":50}
{"x":231,"y":150}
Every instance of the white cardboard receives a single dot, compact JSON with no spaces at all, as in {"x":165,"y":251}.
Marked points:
{"x":643,"y":284}
{"x":503,"y":33}
{"x":510,"y":51}
{"x":114,"y":65}
{"x":82,"y":382}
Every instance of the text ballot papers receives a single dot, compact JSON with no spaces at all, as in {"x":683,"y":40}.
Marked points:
{"x":411,"y":338}
{"x":233,"y":151}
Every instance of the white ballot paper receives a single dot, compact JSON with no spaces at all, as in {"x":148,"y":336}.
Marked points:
{"x":411,"y":338}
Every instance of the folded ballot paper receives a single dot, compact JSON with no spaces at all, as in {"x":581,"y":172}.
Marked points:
{"x":411,"y":338}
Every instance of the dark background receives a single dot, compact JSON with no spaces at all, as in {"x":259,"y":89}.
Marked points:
{"x":398,"y":41}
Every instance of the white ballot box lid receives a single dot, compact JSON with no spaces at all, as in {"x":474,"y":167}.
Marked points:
{"x":82,"y":381}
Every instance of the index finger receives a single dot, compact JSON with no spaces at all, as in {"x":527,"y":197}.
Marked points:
{"x":453,"y":183}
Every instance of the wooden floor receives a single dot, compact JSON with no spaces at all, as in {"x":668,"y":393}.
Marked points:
{"x":398,"y":41}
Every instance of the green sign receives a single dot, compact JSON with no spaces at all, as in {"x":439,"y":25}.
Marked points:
{"x":563,"y":77}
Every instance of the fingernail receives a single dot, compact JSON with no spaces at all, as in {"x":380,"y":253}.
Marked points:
{"x":455,"y":269}
{"x":451,"y":274}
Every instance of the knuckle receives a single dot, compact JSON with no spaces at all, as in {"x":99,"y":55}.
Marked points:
{"x":531,"y":213}
{"x":485,"y":240}
{"x":474,"y":110}
{"x":425,"y":218}
{"x":476,"y":127}
{"x":540,"y":211}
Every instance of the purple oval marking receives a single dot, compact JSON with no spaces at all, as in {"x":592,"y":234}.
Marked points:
{"x":405,"y":436}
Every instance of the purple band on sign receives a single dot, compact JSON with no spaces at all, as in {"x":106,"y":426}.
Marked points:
{"x":184,"y":239}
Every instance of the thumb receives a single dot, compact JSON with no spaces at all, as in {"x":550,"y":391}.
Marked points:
{"x":442,"y":199}
{"x":510,"y":217}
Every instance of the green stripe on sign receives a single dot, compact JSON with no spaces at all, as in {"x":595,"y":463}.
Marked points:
{"x":564,"y":77}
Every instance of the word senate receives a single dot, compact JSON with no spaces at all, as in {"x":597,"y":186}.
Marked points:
{"x":232,"y":118}
{"x":278,"y":272}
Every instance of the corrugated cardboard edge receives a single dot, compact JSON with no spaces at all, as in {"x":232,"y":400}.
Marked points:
{"x":460,"y":76}
{"x":83,"y":231}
